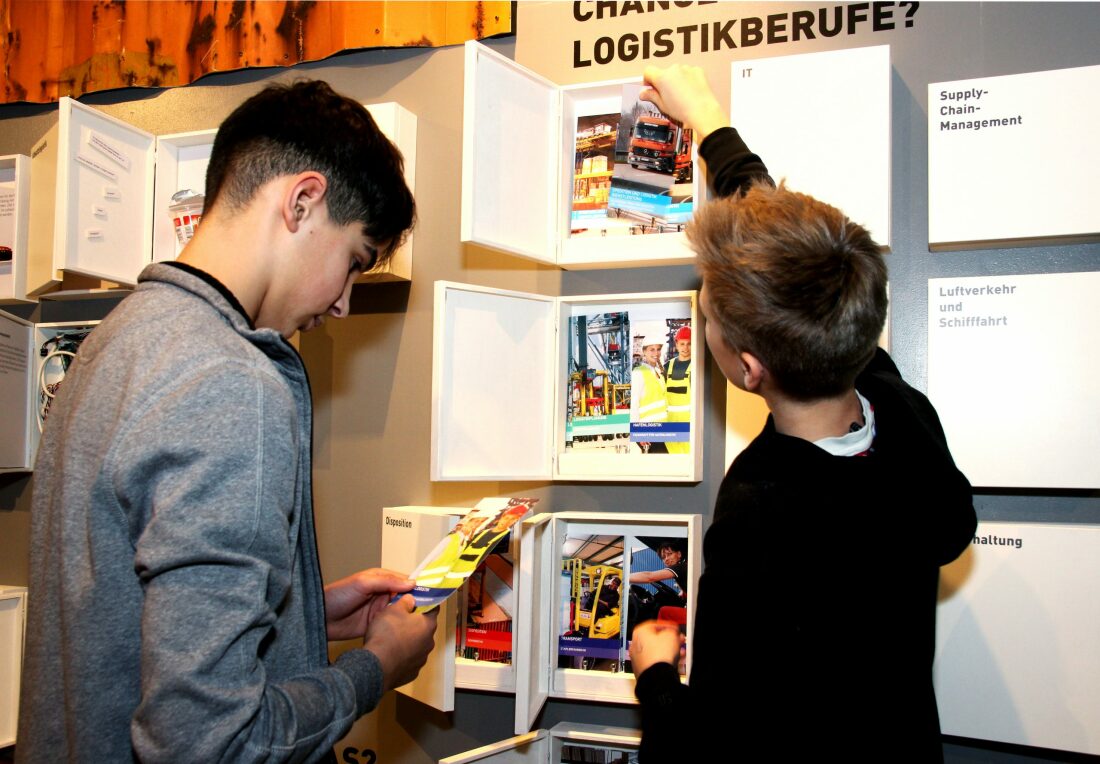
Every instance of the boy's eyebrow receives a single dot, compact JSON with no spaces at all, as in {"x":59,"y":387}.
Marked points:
{"x":372,"y":253}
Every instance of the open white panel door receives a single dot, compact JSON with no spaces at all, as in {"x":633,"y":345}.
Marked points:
{"x":104,"y":218}
{"x":15,"y":197}
{"x":510,"y":134}
{"x":409,"y":534}
{"x":13,"y":614}
{"x":533,"y":660}
{"x":532,"y":748}
{"x":16,"y":413}
{"x":492,"y":383}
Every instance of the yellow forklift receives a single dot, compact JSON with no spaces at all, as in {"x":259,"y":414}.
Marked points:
{"x":595,"y":599}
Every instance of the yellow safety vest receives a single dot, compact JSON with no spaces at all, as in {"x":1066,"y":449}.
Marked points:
{"x":652,"y":407}
{"x":678,"y":396}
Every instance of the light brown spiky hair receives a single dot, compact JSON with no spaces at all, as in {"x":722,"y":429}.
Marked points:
{"x":796,"y":283}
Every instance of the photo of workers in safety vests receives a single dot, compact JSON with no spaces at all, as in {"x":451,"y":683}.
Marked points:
{"x":660,"y":388}
{"x":629,"y":379}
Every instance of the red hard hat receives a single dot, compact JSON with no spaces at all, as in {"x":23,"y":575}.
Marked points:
{"x":683,"y":333}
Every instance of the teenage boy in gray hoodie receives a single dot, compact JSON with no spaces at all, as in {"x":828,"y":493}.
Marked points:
{"x":176,"y":609}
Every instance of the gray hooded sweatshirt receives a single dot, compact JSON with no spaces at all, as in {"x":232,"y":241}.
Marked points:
{"x":176,"y":609}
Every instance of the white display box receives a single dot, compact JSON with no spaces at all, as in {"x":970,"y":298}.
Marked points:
{"x":546,"y":746}
{"x":92,"y":199}
{"x":103,"y":187}
{"x":501,"y":388}
{"x":518,"y":146}
{"x":1018,"y":637}
{"x":544,"y":603}
{"x":981,"y":132}
{"x":822,"y":122}
{"x":181,"y":163}
{"x":15,"y":207}
{"x":399,"y":125}
{"x":409,"y":534}
{"x":21,"y":375}
{"x":13,"y":615}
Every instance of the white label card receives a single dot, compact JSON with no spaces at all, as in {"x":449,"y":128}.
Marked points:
{"x":7,"y":217}
{"x":94,"y":164}
{"x":101,"y":144}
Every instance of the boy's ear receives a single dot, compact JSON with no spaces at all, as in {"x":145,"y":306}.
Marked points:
{"x":753,"y":371}
{"x":305,"y":192}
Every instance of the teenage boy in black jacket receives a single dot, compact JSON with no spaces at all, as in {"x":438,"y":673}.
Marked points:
{"x":815,"y":628}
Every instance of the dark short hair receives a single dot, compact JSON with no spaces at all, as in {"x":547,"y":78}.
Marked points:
{"x":796,"y":283}
{"x":305,"y":125}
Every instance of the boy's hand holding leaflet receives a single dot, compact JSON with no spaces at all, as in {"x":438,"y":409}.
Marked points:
{"x":460,"y":552}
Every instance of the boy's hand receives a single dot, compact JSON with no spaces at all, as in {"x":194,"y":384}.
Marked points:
{"x":682,"y":93}
{"x":352,"y":603}
{"x":401,"y":640}
{"x":655,"y":642}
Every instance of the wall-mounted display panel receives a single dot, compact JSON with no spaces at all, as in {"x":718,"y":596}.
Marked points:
{"x":586,"y":579}
{"x":1017,"y":649}
{"x":33,"y":361}
{"x":1014,"y":374}
{"x":15,"y":198}
{"x":581,"y":176}
{"x":567,"y":742}
{"x":982,"y":131}
{"x":13,"y":614}
{"x":822,"y":122}
{"x":92,"y":199}
{"x":565,"y":388}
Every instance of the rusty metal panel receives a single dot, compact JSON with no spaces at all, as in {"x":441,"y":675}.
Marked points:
{"x":56,"y":48}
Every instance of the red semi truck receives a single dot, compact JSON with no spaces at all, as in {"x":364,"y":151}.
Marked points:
{"x":659,"y":144}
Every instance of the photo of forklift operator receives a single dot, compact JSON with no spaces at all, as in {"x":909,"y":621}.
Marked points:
{"x":609,"y":597}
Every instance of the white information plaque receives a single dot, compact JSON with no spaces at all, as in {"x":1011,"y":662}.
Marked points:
{"x":1014,"y":374}
{"x":1017,"y":648}
{"x":1013,"y":159}
{"x":822,"y":122}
